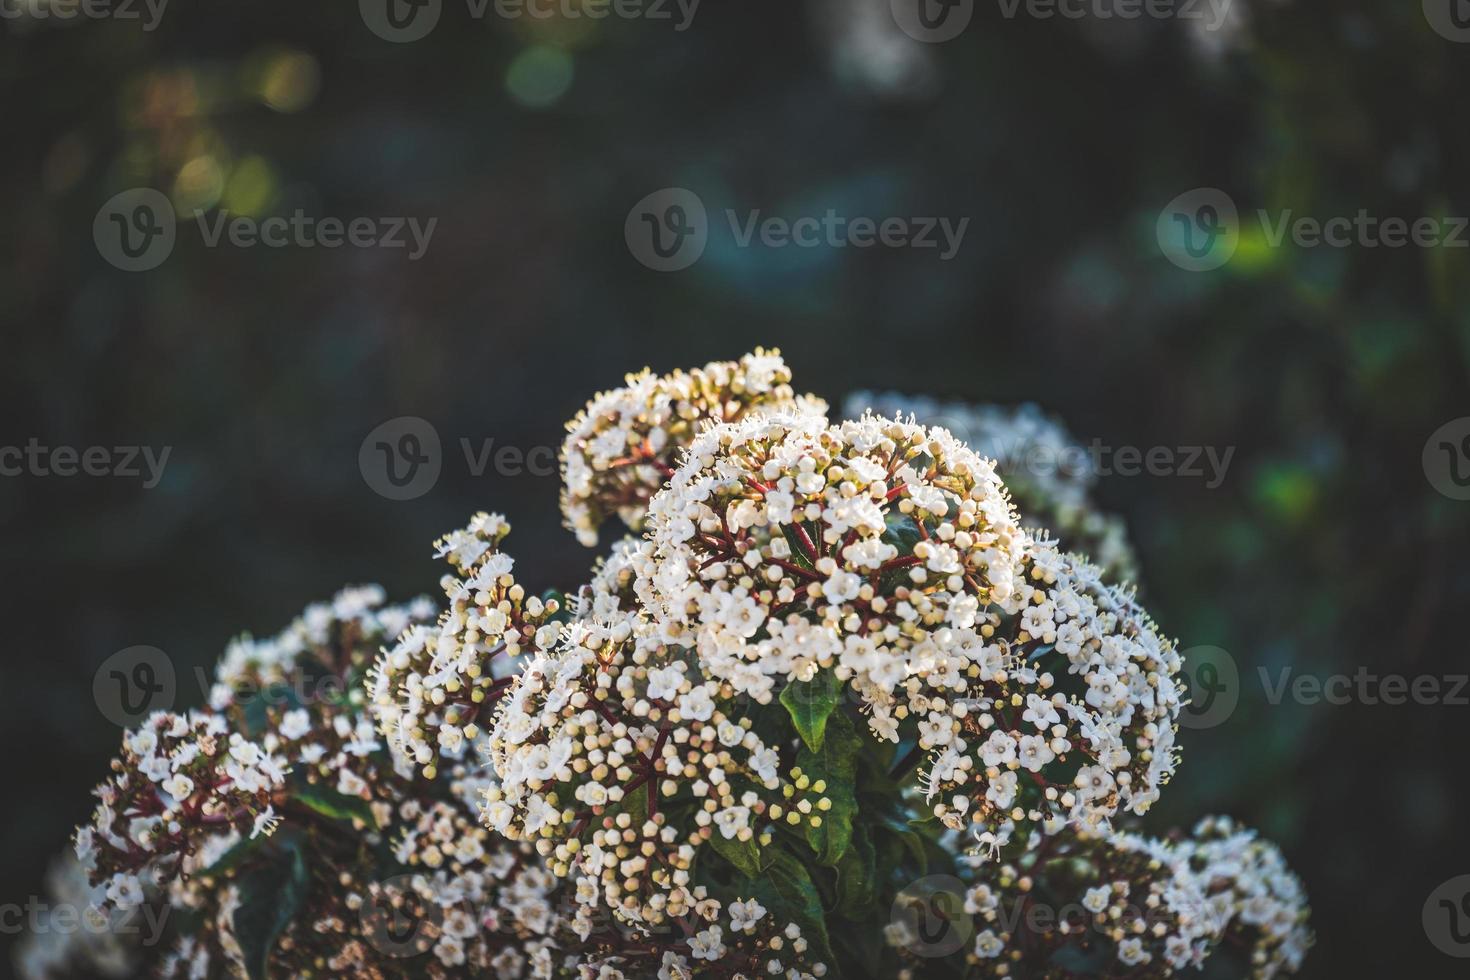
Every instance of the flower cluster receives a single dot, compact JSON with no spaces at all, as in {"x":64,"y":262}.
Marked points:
{"x":1123,"y":905}
{"x":282,"y":803}
{"x":1050,"y":475}
{"x":838,"y":659}
{"x":623,"y":445}
{"x":784,"y":545}
{"x":436,"y":686}
{"x":1259,"y":904}
{"x":598,"y":742}
{"x":180,"y":780}
{"x":889,"y":554}
{"x":1075,"y":714}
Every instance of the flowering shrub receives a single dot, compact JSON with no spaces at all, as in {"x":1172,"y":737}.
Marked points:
{"x":836,"y":661}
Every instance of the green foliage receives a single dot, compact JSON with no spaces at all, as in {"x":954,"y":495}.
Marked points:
{"x":835,"y":762}
{"x":271,"y":894}
{"x":334,"y":805}
{"x":744,"y":855}
{"x":810,"y":704}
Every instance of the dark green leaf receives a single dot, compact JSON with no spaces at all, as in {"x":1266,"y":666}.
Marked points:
{"x":745,"y":855}
{"x":337,"y":806}
{"x":836,"y":765}
{"x":235,"y":856}
{"x":1084,"y":962}
{"x":902,"y":532}
{"x":270,"y":897}
{"x":787,"y":891}
{"x":857,"y":877}
{"x":810,"y":704}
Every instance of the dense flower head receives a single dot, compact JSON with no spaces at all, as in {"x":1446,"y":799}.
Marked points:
{"x":1074,"y":713}
{"x":1116,"y":905}
{"x":889,"y":555}
{"x":433,"y":690}
{"x":836,"y":660}
{"x":1049,"y":473}
{"x":599,"y":742}
{"x":784,"y":545}
{"x":179,"y":780}
{"x":622,"y":447}
{"x":1248,"y":888}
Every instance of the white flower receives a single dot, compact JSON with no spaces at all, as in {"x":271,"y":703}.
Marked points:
{"x":744,"y":915}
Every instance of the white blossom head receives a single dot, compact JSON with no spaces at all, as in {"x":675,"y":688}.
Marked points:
{"x":622,"y":447}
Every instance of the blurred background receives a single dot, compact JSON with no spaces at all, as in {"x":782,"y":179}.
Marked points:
{"x":1328,"y":545}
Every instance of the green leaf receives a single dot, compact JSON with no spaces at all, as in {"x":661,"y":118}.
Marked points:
{"x":745,"y":855}
{"x":270,"y":897}
{"x":910,"y":839}
{"x":1084,"y":962}
{"x":635,"y":804}
{"x":902,"y":532}
{"x":235,"y":856}
{"x":810,"y":704}
{"x":335,"y":805}
{"x":787,"y":891}
{"x":857,"y":877}
{"x":836,"y":764}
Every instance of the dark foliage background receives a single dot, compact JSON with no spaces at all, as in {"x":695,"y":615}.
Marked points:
{"x":1326,"y":548}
